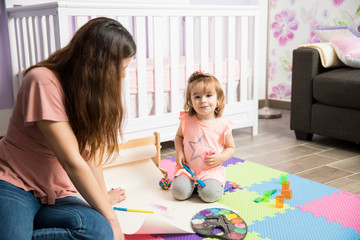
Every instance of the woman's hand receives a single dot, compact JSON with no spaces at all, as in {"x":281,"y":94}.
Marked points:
{"x":116,"y":195}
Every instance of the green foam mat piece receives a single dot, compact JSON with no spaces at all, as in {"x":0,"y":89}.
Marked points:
{"x":243,"y":173}
{"x":242,"y":201}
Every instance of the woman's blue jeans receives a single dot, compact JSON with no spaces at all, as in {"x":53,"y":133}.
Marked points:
{"x":22,"y":216}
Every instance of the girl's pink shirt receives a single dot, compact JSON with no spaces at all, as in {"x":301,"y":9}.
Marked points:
{"x":198,"y":140}
{"x":26,"y":159}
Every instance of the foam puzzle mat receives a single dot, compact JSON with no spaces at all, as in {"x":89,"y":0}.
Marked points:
{"x":315,"y":212}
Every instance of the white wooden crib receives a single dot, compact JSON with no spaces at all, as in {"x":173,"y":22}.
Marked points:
{"x":172,"y":41}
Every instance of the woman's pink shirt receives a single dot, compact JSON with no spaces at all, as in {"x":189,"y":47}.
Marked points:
{"x":26,"y":159}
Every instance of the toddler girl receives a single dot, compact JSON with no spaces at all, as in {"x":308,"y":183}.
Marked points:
{"x":203,"y":140}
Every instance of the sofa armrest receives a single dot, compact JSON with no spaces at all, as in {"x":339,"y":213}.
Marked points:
{"x":306,"y":65}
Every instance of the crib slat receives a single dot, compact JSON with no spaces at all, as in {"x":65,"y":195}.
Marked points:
{"x":29,"y":39}
{"x":20,"y":49}
{"x":158,"y":65}
{"x":35,"y":31}
{"x":140,"y":30}
{"x":43,"y":37}
{"x":204,"y":44}
{"x":15,"y":56}
{"x":150,"y":26}
{"x":218,"y":50}
{"x":174,"y":63}
{"x":59,"y":42}
{"x":125,"y":22}
{"x":23,"y":43}
{"x":39,"y":36}
{"x":244,"y":59}
{"x":80,"y":21}
{"x":189,"y":45}
{"x":62,"y":29}
{"x":48,"y":35}
{"x":231,"y":60}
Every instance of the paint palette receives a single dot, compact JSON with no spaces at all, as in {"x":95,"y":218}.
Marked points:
{"x":220,"y":223}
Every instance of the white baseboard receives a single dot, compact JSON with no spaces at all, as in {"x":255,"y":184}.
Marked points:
{"x":4,"y":120}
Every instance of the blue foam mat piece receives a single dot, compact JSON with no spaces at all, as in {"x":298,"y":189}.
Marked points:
{"x":297,"y":225}
{"x":303,"y":190}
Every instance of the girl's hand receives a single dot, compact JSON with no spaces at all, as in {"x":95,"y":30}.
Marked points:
{"x":180,"y":158}
{"x":116,"y":195}
{"x":213,"y":158}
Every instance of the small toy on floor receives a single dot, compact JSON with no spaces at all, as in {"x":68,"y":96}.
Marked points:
{"x":233,"y":185}
{"x":286,"y":192}
{"x":258,"y":199}
{"x":279,"y":201}
{"x":165,"y":183}
{"x":283,"y":177}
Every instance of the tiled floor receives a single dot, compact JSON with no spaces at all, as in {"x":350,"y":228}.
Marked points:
{"x":324,"y":160}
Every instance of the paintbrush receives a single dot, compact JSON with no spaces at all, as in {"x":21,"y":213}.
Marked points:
{"x":193,"y":175}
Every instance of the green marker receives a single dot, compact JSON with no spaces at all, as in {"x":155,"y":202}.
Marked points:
{"x":259,"y":199}
{"x":273,"y":191}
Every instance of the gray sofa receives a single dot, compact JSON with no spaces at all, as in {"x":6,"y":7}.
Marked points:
{"x":324,"y":101}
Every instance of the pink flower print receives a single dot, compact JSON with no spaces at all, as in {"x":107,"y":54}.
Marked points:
{"x":273,"y":3}
{"x":271,"y":70}
{"x":337,"y":2}
{"x":313,"y":25}
{"x":281,"y":91}
{"x":325,"y":13}
{"x":284,"y":25}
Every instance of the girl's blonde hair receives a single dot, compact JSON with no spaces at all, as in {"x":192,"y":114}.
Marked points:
{"x":209,"y":81}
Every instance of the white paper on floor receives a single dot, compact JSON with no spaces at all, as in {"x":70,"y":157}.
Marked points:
{"x":135,"y":171}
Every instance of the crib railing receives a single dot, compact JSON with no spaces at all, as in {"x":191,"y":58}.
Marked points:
{"x":160,"y":31}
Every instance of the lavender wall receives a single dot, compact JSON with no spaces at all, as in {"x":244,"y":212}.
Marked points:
{"x":6,"y":92}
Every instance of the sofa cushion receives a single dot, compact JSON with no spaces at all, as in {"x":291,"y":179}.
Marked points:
{"x":339,"y":87}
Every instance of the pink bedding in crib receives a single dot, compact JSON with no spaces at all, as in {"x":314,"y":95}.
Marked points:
{"x":132,"y":73}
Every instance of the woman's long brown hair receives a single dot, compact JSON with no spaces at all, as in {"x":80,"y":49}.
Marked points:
{"x":89,"y":69}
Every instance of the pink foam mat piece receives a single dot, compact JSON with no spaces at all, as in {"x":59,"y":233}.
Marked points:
{"x":342,"y":207}
{"x":168,"y":165}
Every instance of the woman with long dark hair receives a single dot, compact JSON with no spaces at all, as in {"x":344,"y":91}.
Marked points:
{"x":66,"y":120}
